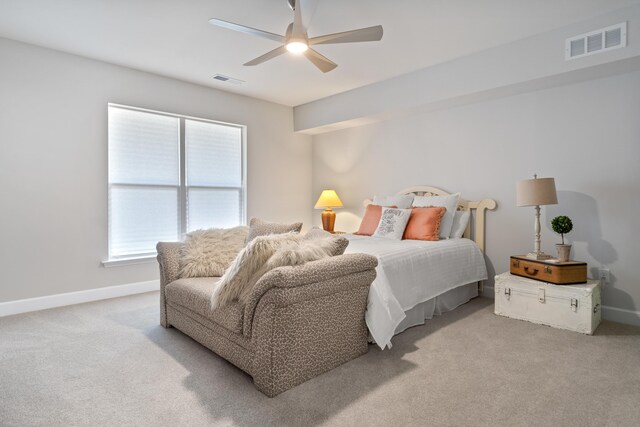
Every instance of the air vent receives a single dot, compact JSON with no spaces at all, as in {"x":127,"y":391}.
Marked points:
{"x":597,"y":41}
{"x":227,"y":79}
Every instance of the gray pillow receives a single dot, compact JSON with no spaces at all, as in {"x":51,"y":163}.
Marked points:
{"x":317,"y":233}
{"x":257,"y":227}
{"x":341,"y":244}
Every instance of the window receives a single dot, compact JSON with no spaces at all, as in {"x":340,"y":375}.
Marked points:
{"x":169,"y":175}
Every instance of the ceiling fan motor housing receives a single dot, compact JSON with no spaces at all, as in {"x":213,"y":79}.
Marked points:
{"x":302,"y":38}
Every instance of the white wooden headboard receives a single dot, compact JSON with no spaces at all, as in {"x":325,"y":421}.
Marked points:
{"x":475,"y":233}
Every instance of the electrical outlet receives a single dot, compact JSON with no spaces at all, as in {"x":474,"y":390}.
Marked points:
{"x":604,"y":275}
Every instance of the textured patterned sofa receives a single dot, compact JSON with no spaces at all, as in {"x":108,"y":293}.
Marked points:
{"x":299,"y":322}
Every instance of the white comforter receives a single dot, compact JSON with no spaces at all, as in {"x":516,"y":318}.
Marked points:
{"x":411,"y":272}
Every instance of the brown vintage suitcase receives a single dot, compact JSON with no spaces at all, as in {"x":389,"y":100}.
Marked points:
{"x":558,"y":273}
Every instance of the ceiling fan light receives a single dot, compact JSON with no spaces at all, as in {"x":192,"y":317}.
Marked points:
{"x":297,"y":47}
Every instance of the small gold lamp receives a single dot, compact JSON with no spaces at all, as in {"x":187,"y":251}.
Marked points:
{"x":327,"y":200}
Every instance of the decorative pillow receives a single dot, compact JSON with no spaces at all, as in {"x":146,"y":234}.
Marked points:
{"x":449,"y":202}
{"x":304,"y":251}
{"x":335,"y":245}
{"x":208,"y":253}
{"x":317,"y":233}
{"x":401,"y":201}
{"x":265,"y":253}
{"x":370,"y":220}
{"x":424,"y":223}
{"x":392,"y":223}
{"x":257,"y":227}
{"x":460,"y":221}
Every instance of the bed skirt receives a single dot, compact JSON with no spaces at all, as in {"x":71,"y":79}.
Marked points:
{"x":436,"y":306}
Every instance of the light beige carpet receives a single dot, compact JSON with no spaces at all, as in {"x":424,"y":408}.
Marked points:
{"x":109,"y":363}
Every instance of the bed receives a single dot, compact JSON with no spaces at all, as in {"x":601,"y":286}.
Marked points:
{"x":419,"y":279}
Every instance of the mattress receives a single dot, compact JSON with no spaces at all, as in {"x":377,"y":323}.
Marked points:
{"x":411,"y":272}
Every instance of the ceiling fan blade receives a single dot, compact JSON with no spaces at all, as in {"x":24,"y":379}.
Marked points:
{"x":267,"y":56}
{"x":323,"y":63}
{"x":369,"y":34}
{"x":247,"y":30}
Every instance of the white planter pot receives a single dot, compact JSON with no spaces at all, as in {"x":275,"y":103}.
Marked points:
{"x":564,"y":252}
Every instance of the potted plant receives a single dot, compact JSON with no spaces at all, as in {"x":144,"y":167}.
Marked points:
{"x":562,"y":225}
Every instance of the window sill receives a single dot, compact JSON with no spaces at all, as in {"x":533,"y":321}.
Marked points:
{"x":119,"y":262}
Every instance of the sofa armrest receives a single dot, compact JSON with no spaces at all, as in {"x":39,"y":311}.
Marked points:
{"x":316,"y":271}
{"x":308,"y":281}
{"x":303,"y":328}
{"x":169,"y":262}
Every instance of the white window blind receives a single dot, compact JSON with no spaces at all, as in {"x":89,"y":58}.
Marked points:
{"x":214,"y":175}
{"x":157,"y":194}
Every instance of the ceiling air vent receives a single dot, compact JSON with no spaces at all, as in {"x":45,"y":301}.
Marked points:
{"x":596,"y":41}
{"x":227,"y":79}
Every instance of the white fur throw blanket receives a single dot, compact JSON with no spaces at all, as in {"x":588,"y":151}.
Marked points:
{"x":265,"y":253}
{"x":208,"y":253}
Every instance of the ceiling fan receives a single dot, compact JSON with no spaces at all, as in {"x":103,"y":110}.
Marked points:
{"x":297,"y":41}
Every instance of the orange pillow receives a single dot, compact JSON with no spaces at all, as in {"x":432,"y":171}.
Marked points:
{"x":370,"y":220}
{"x":424,"y":223}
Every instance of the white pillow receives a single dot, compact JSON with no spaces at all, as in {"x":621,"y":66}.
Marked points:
{"x":449,"y":202}
{"x":208,"y":253}
{"x":460,"y":221}
{"x":392,"y":223}
{"x":401,"y":201}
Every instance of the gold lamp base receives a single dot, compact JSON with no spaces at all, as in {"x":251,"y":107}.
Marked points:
{"x":328,"y":219}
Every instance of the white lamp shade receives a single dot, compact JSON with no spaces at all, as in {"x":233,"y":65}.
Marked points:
{"x":328,"y":199}
{"x":534,"y":192}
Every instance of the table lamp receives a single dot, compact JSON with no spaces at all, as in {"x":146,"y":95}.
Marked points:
{"x":536,"y":192}
{"x":327,"y":200}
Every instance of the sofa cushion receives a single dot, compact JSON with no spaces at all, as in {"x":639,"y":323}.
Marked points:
{"x":195,"y":294}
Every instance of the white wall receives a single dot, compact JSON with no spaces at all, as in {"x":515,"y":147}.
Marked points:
{"x":533,"y":63}
{"x":586,"y":135}
{"x":53,"y":163}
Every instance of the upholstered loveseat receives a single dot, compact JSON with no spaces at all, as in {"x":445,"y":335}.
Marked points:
{"x":299,"y":322}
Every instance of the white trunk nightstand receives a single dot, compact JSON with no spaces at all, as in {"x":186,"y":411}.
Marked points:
{"x":572,"y":307}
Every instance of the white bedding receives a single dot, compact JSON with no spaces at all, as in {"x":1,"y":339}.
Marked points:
{"x":410,"y":272}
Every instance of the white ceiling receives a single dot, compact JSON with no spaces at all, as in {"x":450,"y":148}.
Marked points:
{"x":173,"y":37}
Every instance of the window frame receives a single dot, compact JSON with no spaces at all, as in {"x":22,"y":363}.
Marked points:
{"x":182,"y":185}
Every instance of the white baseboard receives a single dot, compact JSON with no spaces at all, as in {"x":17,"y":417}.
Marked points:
{"x":59,"y":300}
{"x":621,"y":315}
